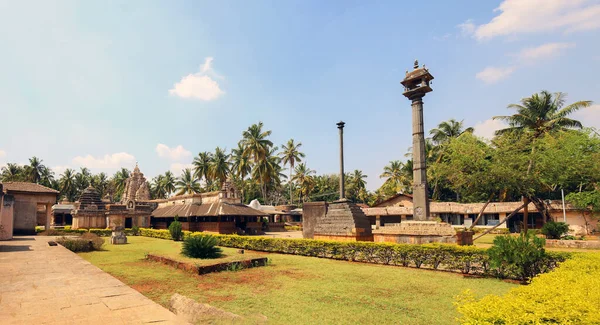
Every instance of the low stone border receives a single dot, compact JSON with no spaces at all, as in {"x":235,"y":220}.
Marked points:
{"x":586,"y":244}
{"x":204,"y":269}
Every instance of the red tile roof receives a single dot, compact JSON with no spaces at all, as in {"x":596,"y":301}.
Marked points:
{"x":27,"y":188}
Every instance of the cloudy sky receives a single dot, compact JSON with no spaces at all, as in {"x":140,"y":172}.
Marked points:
{"x":103,"y":84}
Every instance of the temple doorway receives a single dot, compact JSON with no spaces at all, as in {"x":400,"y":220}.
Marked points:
{"x":128,"y":222}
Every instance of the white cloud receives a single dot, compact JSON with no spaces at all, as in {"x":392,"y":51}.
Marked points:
{"x":177,"y":168}
{"x":176,"y":153}
{"x":467,"y":28}
{"x":199,"y":85}
{"x":533,"y":16}
{"x":112,"y":161}
{"x":487,"y":128}
{"x":492,"y":75}
{"x":543,"y":51}
{"x":589,"y":116}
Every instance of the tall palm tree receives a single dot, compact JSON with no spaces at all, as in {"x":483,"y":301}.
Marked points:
{"x":35,"y":169}
{"x":267,"y":171}
{"x":257,"y":147}
{"x":67,"y":184}
{"x":448,"y":130}
{"x":256,"y":143}
{"x":157,"y":187}
{"x":12,"y":173}
{"x":304,"y":177}
{"x":240,"y":164}
{"x":290,"y":154}
{"x":398,"y":177}
{"x":219,"y":167}
{"x":202,"y":167}
{"x":187,"y":183}
{"x":542,"y":113}
{"x":169,"y":182}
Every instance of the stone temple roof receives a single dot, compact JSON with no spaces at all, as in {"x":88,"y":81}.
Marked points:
{"x":89,"y":198}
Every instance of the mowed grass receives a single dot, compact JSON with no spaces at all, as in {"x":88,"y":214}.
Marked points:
{"x":297,"y":289}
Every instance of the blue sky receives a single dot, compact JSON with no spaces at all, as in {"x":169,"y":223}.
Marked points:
{"x":106,"y":84}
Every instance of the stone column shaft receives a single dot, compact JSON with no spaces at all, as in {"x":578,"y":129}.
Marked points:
{"x":420,"y":195}
{"x":342,"y":176}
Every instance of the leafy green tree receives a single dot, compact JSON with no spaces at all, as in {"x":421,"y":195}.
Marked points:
{"x":290,"y":155}
{"x":589,"y":202}
{"x":12,"y":173}
{"x":303,"y":176}
{"x":100,"y":183}
{"x":399,"y":177}
{"x":448,"y":130}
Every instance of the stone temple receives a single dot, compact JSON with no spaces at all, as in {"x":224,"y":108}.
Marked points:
{"x":136,"y":187}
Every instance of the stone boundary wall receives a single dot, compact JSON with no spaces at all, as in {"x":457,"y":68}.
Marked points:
{"x":585,"y":244}
{"x":205,"y":269}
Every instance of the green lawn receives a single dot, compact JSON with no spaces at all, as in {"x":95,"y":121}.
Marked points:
{"x":297,"y":289}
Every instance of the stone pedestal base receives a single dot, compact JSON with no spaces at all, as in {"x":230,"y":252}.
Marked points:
{"x":344,"y":221}
{"x":118,"y":236}
{"x":416,"y":232}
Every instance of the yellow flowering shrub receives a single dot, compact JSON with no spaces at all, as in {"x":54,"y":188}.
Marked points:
{"x":570,"y":294}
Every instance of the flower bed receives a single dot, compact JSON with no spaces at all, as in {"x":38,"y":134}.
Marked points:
{"x":204,"y":269}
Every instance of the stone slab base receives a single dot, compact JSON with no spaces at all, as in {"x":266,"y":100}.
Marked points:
{"x":343,"y":237}
{"x":585,"y":244}
{"x":416,"y":232}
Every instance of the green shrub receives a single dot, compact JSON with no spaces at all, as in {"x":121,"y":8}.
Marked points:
{"x":175,"y":230}
{"x":85,"y":243}
{"x":204,"y":246}
{"x":135,"y":230}
{"x":293,"y":228}
{"x":519,"y":257}
{"x":555,"y":230}
{"x":567,"y":295}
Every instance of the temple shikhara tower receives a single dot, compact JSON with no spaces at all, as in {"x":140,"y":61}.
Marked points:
{"x":416,"y":84}
{"x":136,"y":187}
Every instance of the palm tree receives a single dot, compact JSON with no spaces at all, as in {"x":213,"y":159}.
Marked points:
{"x":398,"y":177}
{"x":35,"y":169}
{"x":304,"y":177}
{"x":202,"y":167}
{"x":448,"y":130}
{"x":157,"y":187}
{"x":219,"y":167}
{"x":240,"y":164}
{"x":119,"y":179}
{"x":12,"y":173}
{"x":291,"y":154}
{"x":267,"y":172}
{"x":255,"y":142}
{"x":257,"y":147}
{"x":67,"y":184}
{"x":100,"y":183}
{"x":187,"y":183}
{"x":358,"y":179}
{"x":542,"y":113}
{"x":169,"y":182}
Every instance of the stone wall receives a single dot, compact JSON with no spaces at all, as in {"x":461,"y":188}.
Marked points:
{"x":6,"y":216}
{"x":585,"y":244}
{"x":25,"y":211}
{"x":312,"y":211}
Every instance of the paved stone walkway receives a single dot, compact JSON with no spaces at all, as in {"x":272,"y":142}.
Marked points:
{"x":42,"y":284}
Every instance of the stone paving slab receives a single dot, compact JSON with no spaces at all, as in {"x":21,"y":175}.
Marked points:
{"x":42,"y":284}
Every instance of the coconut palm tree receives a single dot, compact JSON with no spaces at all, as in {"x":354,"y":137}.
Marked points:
{"x":448,"y":130}
{"x":306,"y":182}
{"x":35,"y":169}
{"x":542,"y":113}
{"x":12,"y":173}
{"x":119,"y":179}
{"x":187,"y":183}
{"x":255,"y":142}
{"x":157,"y":187}
{"x":290,"y":155}
{"x":169,"y":183}
{"x":219,"y":167}
{"x":202,"y":167}
{"x":358,"y":179}
{"x":398,"y":177}
{"x":240,"y":165}
{"x":67,"y":184}
{"x":100,"y":183}
{"x":267,"y":172}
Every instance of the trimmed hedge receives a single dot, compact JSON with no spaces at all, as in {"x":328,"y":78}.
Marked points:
{"x":567,"y":295}
{"x":68,"y":231}
{"x":463,"y":259}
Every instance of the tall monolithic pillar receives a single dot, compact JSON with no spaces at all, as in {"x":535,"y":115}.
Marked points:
{"x":416,"y":85}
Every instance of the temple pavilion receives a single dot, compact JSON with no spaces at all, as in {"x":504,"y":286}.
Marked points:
{"x":218,"y":212}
